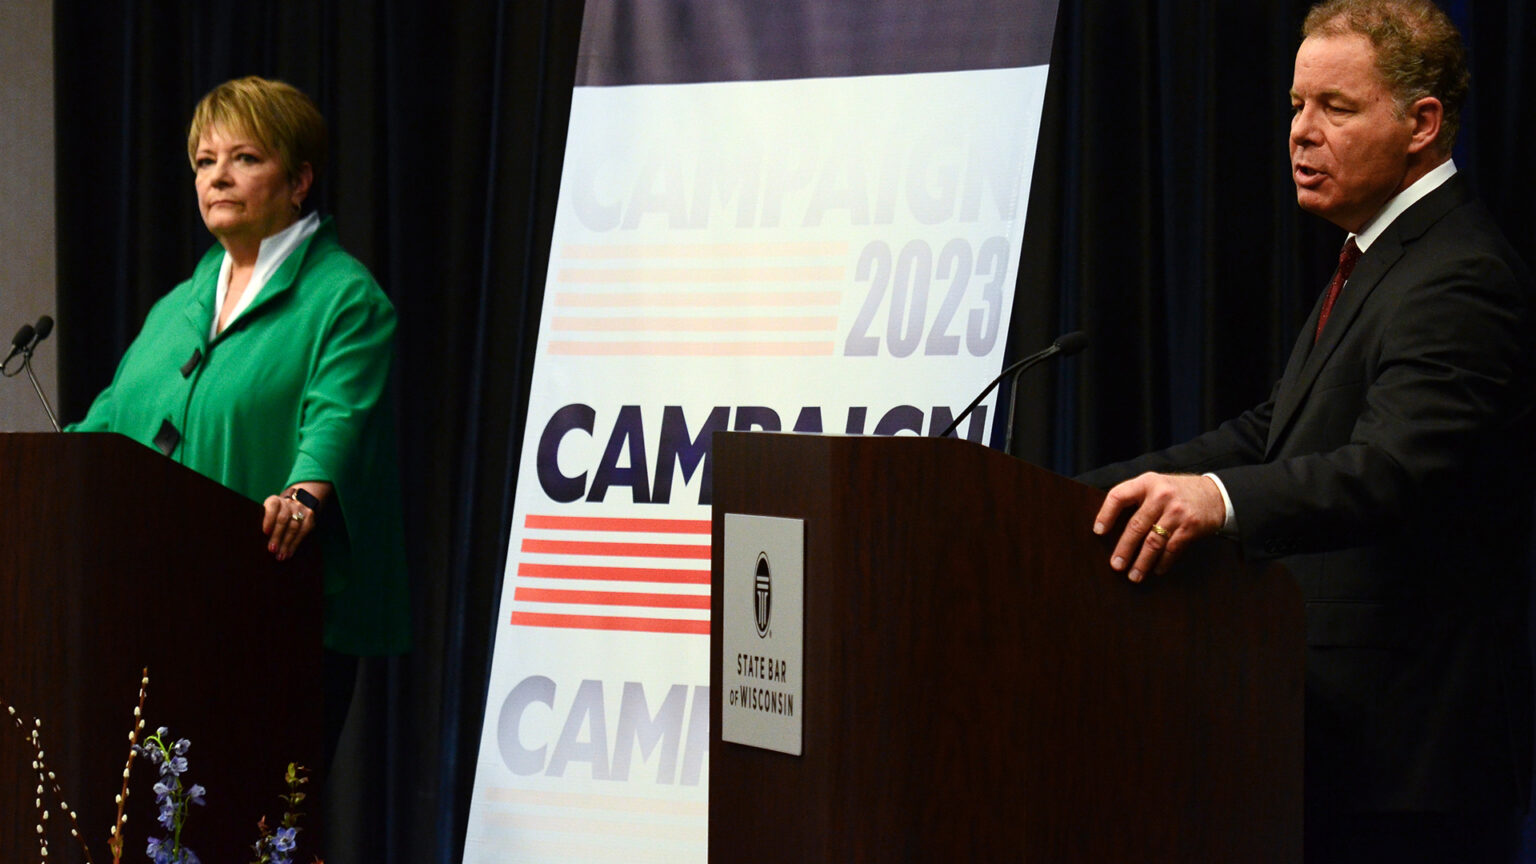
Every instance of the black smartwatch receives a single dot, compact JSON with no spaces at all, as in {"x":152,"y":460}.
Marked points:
{"x":303,"y":497}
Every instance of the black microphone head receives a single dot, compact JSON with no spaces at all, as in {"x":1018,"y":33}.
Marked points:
{"x":44,"y":327}
{"x":1073,"y":342}
{"x":23,"y":336}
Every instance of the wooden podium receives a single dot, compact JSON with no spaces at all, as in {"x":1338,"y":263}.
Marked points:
{"x":113,"y":558}
{"x":980,"y":686}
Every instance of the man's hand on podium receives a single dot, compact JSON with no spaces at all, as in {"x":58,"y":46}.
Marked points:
{"x":1167,"y":513}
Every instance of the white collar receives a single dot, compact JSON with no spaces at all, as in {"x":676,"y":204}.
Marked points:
{"x":1400,"y":202}
{"x":273,"y":252}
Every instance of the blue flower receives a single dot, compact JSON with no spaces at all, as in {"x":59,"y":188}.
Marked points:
{"x":285,"y":839}
{"x":167,"y":815}
{"x":196,"y":793}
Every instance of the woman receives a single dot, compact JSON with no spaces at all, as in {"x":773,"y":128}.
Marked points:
{"x":268,"y":369}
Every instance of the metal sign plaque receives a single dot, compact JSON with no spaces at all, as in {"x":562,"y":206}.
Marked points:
{"x":762,"y":634}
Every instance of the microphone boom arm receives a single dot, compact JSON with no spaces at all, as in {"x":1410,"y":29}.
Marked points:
{"x":1068,"y":344}
{"x":1015,"y":367}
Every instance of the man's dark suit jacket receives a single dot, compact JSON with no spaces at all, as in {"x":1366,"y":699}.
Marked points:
{"x":1391,"y":470}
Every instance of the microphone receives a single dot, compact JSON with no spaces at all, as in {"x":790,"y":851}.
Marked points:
{"x":20,"y":341}
{"x":23,"y":343}
{"x":1068,"y":344}
{"x":41,"y":331}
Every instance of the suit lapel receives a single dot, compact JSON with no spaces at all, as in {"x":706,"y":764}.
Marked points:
{"x":1288,"y":396}
{"x":1308,"y":360}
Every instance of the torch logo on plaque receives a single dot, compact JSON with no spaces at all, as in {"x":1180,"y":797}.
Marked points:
{"x":762,"y":598}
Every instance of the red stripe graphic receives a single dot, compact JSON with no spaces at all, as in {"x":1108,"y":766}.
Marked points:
{"x":599,"y":523}
{"x":696,"y":299}
{"x":628,"y":550}
{"x":600,"y":622}
{"x":691,"y":275}
{"x":555,"y":571}
{"x":582,"y":252}
{"x":652,"y":283}
{"x":692,"y":349}
{"x":678,"y":324}
{"x":613,"y":574}
{"x":613,"y":598}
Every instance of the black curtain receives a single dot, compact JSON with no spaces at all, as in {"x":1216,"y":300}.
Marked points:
{"x":1162,"y":221}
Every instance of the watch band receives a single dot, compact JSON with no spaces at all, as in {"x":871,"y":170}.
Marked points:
{"x":303,"y":497}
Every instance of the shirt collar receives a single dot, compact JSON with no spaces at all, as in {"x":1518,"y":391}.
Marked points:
{"x":1400,"y":202}
{"x":273,"y":252}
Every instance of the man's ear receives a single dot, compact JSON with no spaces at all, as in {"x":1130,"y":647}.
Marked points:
{"x":1426,"y":115}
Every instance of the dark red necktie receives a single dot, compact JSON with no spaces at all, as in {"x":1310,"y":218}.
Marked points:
{"x":1347,"y":258}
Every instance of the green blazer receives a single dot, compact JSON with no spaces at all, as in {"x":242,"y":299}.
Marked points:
{"x":296,"y":388}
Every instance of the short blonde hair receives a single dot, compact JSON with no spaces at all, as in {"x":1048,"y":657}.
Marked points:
{"x":276,"y":115}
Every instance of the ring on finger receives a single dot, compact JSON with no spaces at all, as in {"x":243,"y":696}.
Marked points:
{"x":1160,"y":530}
{"x":298,"y":516}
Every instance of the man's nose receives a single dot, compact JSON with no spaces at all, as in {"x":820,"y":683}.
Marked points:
{"x":1304,"y":129}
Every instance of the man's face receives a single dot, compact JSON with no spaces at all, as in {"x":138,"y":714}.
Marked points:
{"x":1349,"y":147}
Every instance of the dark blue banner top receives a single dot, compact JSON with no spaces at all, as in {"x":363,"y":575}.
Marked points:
{"x":693,"y":41}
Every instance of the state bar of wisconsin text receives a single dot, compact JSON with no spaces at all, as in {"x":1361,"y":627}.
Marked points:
{"x":763,"y":668}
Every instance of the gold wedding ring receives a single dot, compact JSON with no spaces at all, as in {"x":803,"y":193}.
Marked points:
{"x":1159,"y":530}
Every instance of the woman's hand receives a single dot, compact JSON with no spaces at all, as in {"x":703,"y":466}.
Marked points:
{"x":288,"y":519}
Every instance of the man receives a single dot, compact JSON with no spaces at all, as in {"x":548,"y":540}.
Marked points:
{"x":1390,"y":468}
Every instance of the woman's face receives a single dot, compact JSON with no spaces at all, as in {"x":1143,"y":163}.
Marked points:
{"x":242,"y":190}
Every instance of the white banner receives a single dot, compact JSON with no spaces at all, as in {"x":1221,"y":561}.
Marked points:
{"x":826,"y":255}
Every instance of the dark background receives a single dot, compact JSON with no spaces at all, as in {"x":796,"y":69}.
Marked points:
{"x":1162,"y":221}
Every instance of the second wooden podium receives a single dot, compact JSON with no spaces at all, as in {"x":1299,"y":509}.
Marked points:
{"x":979,"y":685}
